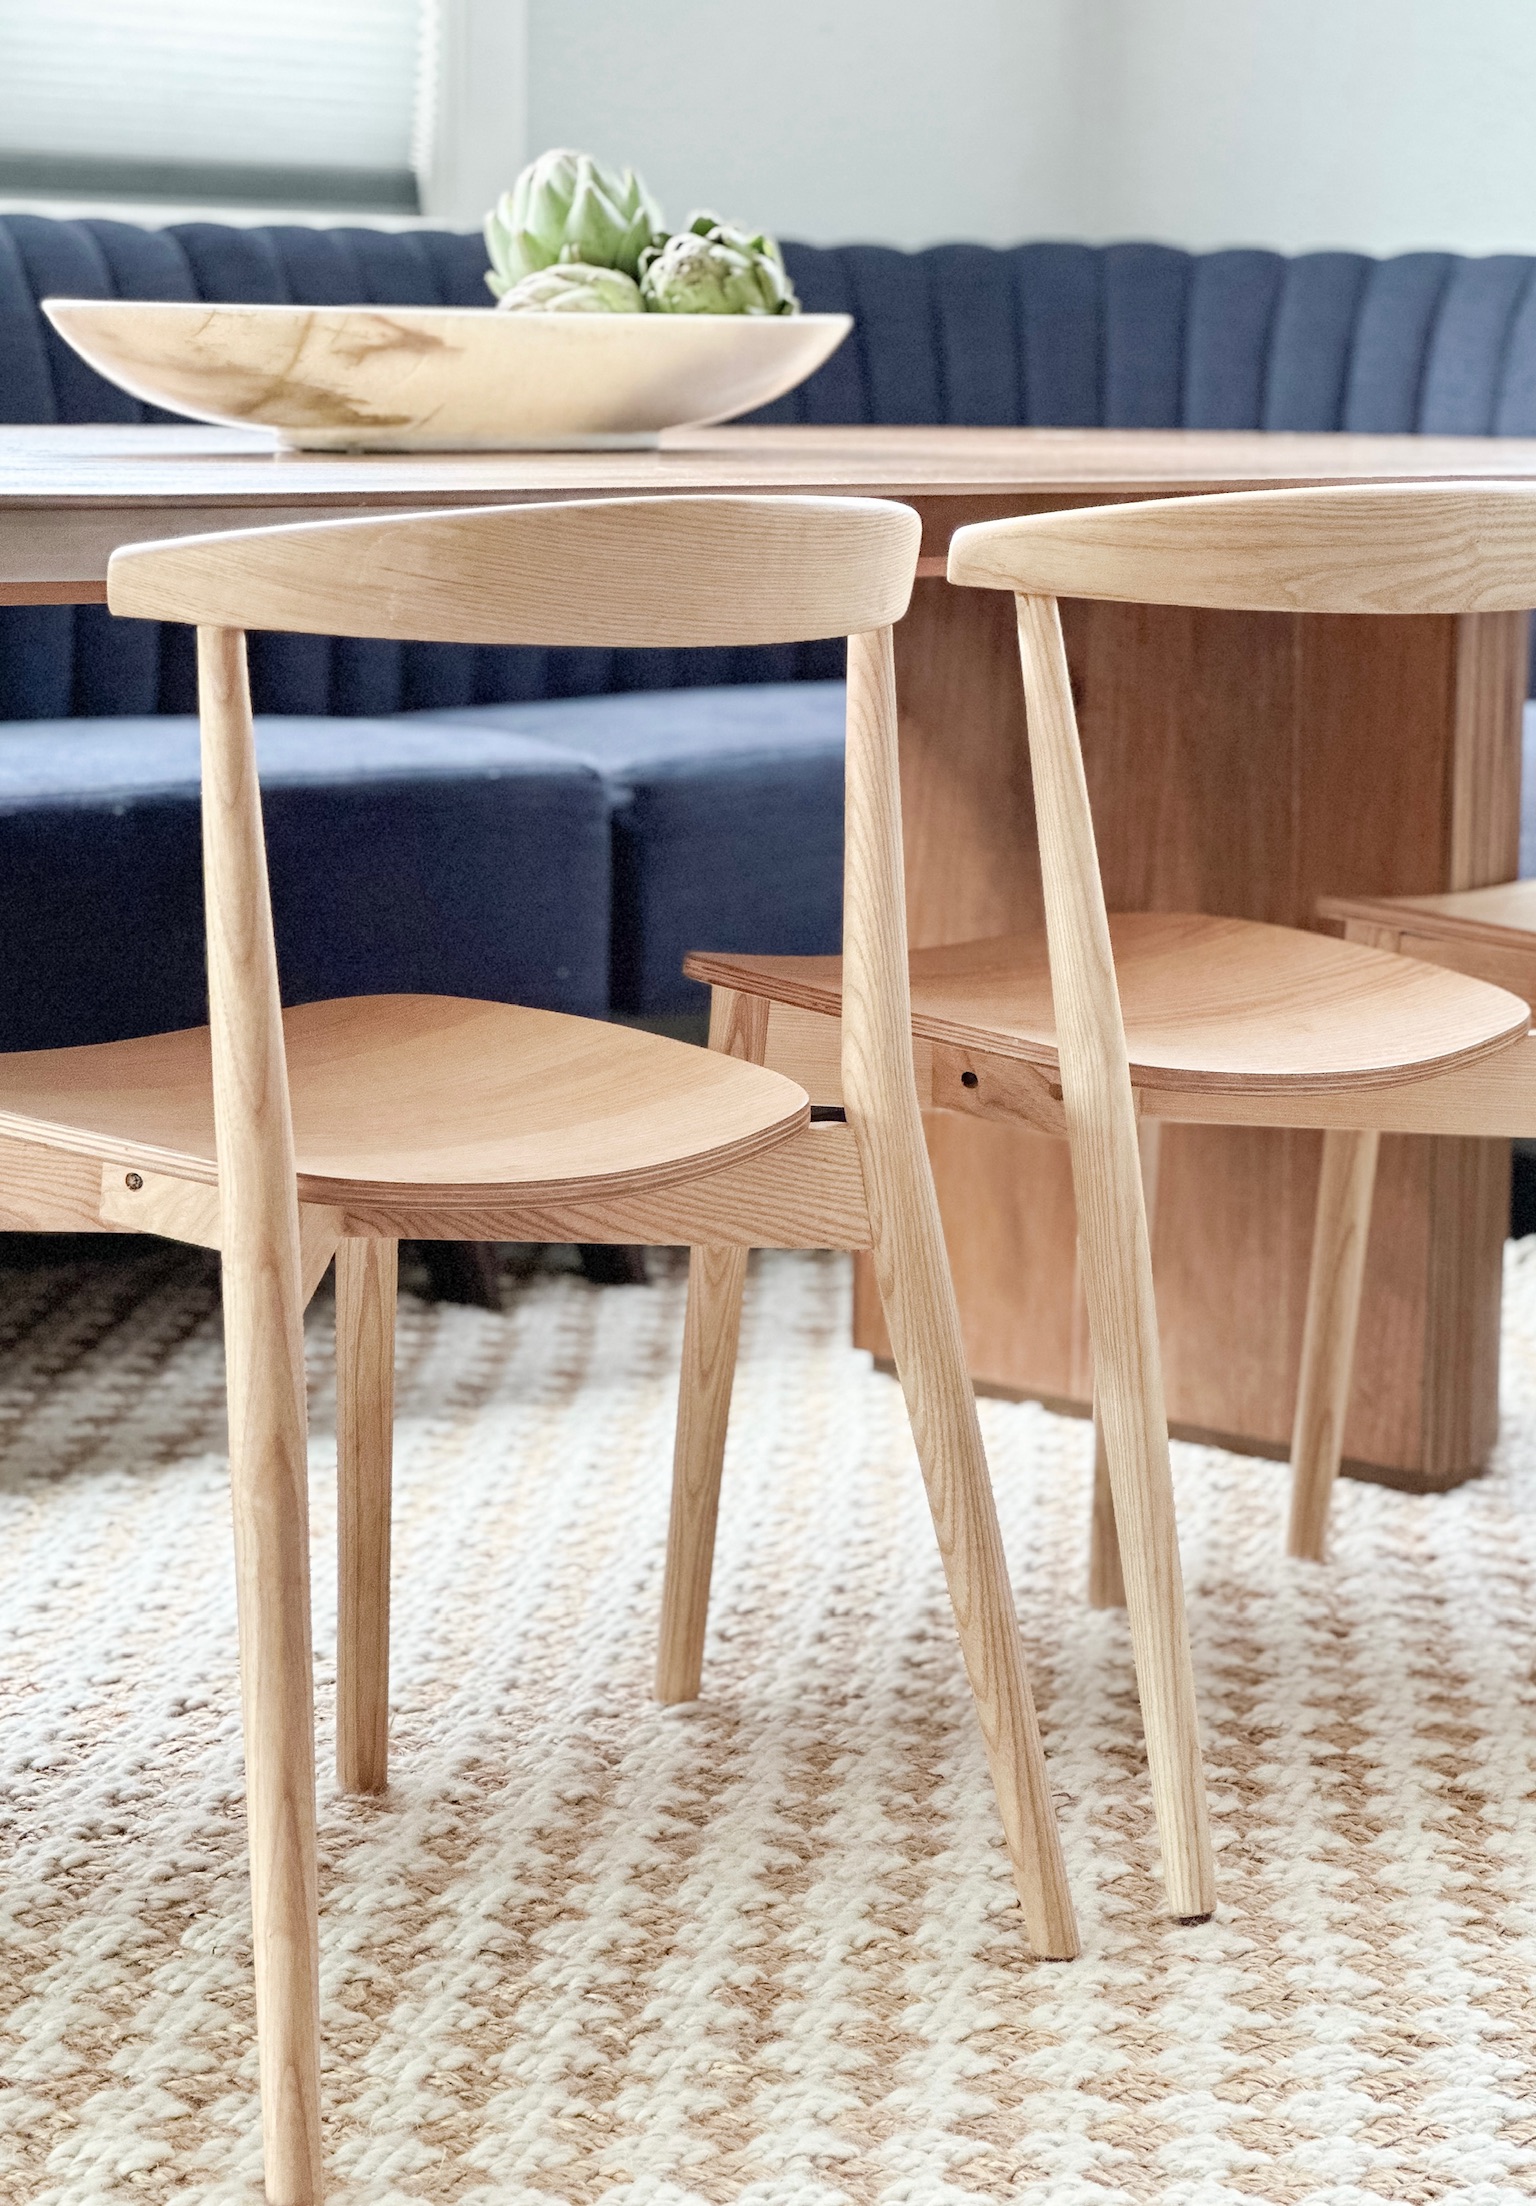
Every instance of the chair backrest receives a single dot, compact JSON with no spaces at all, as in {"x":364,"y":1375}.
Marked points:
{"x":660,"y":571}
{"x":637,"y":571}
{"x":1462,"y":547}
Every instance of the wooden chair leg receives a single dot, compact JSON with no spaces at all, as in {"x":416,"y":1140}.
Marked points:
{"x":716,"y":1277}
{"x":267,"y":1471}
{"x":1106,"y":1574}
{"x":1119,"y":1280}
{"x":1115,"y":1253}
{"x":912,"y":1272}
{"x":1339,"y":1240}
{"x":366,"y":1272}
{"x":268,"y":1432}
{"x":738,"y":1026}
{"x":924,"y":1325}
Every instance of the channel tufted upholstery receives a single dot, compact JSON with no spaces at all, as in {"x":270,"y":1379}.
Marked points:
{"x":1045,"y":334}
{"x":1144,"y":337}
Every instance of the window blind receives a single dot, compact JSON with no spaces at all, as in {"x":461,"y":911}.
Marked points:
{"x":277,"y":102}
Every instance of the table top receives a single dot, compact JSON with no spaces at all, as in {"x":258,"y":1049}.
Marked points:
{"x":69,"y":495}
{"x":129,"y":466}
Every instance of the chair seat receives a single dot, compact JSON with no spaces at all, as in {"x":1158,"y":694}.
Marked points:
{"x":1217,"y":1004}
{"x":1488,"y":932}
{"x":432,"y":1096}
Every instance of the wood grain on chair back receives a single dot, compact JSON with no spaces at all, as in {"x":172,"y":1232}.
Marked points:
{"x":671,"y":571}
{"x":1361,"y":548}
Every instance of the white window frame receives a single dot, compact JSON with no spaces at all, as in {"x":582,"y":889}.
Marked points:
{"x":470,"y":141}
{"x":474,"y":134}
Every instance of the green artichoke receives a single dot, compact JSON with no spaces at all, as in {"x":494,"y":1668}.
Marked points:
{"x":566,"y":206}
{"x":571,"y":287}
{"x":711,"y":268}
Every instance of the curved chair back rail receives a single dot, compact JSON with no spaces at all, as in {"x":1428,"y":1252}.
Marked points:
{"x":637,"y":571}
{"x":1360,"y":548}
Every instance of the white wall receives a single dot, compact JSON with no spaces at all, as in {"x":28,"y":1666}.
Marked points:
{"x":1379,"y":124}
{"x":1382,"y":124}
{"x":901,"y":121}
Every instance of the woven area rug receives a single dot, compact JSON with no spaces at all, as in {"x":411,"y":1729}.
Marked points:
{"x":763,"y":1949}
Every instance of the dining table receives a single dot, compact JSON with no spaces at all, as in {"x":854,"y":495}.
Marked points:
{"x":1241,"y":764}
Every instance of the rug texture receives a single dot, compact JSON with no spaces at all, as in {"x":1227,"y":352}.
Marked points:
{"x":763,"y":1949}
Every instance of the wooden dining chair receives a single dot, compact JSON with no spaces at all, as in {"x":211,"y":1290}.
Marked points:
{"x":281,"y":1138}
{"x":1100,"y":1022}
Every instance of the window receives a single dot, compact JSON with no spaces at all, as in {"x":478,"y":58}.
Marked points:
{"x":314,"y":103}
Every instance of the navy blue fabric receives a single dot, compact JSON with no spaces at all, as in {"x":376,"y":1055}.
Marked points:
{"x":1399,"y":306}
{"x":1464,"y":372}
{"x":1059,"y":296}
{"x":1232,"y":303}
{"x":396,"y":268}
{"x":976,"y":330}
{"x":142,"y":264}
{"x":37,"y":661}
{"x":1515,"y":414}
{"x":1310,"y":341}
{"x":727,"y":809}
{"x":230,"y":263}
{"x":402,"y":857}
{"x":1140,"y":335}
{"x":1146,"y":294}
{"x":64,"y":258}
{"x":26,"y":387}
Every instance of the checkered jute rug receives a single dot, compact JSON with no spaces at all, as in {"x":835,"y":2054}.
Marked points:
{"x":763,"y":1949}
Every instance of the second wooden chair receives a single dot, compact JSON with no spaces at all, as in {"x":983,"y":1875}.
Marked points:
{"x":1102,"y":1021}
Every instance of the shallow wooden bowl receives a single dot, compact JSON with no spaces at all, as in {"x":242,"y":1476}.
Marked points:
{"x":424,"y":379}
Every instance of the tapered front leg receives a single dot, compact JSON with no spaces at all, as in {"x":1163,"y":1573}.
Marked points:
{"x":268,"y":1430}
{"x":1106,"y":1574}
{"x":738,"y":1025}
{"x":1106,"y":1577}
{"x":1116,"y":1257}
{"x":924,"y":1326}
{"x":365,"y":1414}
{"x":716,"y":1277}
{"x":912,"y":1270}
{"x":268,"y":1478}
{"x":1339,"y":1238}
{"x":1118,"y":1276}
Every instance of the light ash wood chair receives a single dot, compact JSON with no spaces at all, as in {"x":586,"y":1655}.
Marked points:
{"x":1104,"y":1021}
{"x":1488,"y":934}
{"x":340,"y":1127}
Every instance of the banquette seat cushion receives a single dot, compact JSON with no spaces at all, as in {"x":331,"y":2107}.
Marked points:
{"x":392,"y":854}
{"x":727,"y":819}
{"x":642,"y":803}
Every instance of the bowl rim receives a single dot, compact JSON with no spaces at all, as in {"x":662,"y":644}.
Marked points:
{"x":489,"y":312}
